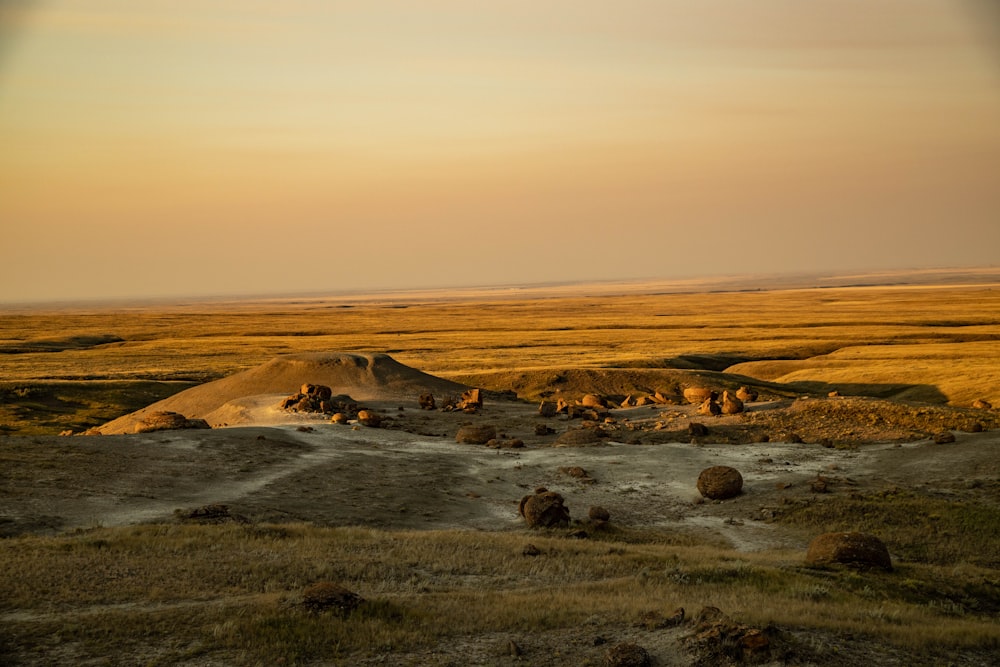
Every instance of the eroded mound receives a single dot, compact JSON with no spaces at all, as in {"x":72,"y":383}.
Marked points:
{"x":365,"y":377}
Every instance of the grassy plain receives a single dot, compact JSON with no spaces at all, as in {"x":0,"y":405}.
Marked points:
{"x":935,"y":344}
{"x":178,"y":594}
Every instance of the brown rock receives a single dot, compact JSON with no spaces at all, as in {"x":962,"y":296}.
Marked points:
{"x":339,"y":418}
{"x":944,"y":437}
{"x":547,"y":409}
{"x":593,"y":401}
{"x":720,"y":482}
{"x":599,"y":514}
{"x":544,"y":510}
{"x":369,"y":418}
{"x":834,"y":394}
{"x":326,"y":595}
{"x":982,"y":404}
{"x":746,"y":394}
{"x":578,"y":436}
{"x":709,"y":408}
{"x":427,"y":402}
{"x":476,"y":434}
{"x":165,"y":421}
{"x":858,"y":550}
{"x":471,"y":400}
{"x":697,"y":395}
{"x":730,"y":404}
{"x":627,"y":654}
{"x":697,"y":430}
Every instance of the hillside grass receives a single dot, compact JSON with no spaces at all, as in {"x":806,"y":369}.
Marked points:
{"x":232,"y":593}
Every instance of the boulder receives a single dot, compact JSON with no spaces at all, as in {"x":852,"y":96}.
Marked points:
{"x":578,"y":436}
{"x":944,"y":437}
{"x":369,"y":418}
{"x":746,"y":394}
{"x":166,"y":421}
{"x":730,"y":404}
{"x":471,"y":401}
{"x":720,"y":482}
{"x":627,"y":654}
{"x":329,"y":596}
{"x":427,"y":402}
{"x":696,"y":395}
{"x":476,"y":434}
{"x":598,"y":515}
{"x":318,"y":391}
{"x":339,"y":418}
{"x":709,"y":408}
{"x":547,"y":409}
{"x":544,"y":510}
{"x":593,"y":401}
{"x":857,"y":550}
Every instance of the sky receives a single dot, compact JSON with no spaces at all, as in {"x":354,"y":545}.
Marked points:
{"x":209,"y":147}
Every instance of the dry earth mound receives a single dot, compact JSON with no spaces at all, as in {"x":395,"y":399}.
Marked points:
{"x":365,"y":377}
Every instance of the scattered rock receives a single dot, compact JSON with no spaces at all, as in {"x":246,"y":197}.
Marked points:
{"x":326,"y":595}
{"x":723,"y":641}
{"x":543,"y":429}
{"x":476,"y":434}
{"x":709,"y":408}
{"x":944,"y":437}
{"x":318,"y":398}
{"x":858,"y":550}
{"x":544,"y":510}
{"x":730,"y":404}
{"x":627,"y":654}
{"x":720,"y":482}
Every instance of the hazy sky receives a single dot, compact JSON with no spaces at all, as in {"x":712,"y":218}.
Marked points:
{"x":210,"y":147}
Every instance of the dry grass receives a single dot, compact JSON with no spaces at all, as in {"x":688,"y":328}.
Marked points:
{"x":233,"y":592}
{"x":939,"y":345}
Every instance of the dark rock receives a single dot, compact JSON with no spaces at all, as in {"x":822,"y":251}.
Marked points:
{"x":944,"y":437}
{"x":627,"y":654}
{"x":720,"y":482}
{"x":857,"y":550}
{"x":427,"y":402}
{"x":697,"y":430}
{"x":544,"y":510}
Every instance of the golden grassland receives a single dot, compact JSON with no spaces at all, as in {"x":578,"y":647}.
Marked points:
{"x":233,"y":591}
{"x":929,"y":344}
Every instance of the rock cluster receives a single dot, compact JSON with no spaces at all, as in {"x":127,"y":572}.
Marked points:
{"x":720,"y":482}
{"x":318,"y":398}
{"x":857,"y":550}
{"x":544,"y":509}
{"x":165,"y":421}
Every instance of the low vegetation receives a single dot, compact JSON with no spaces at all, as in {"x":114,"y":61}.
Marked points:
{"x":164,"y":594}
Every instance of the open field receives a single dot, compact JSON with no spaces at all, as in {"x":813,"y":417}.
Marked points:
{"x":109,"y":556}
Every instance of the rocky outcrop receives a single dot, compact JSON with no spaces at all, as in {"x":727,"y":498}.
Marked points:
{"x":857,"y":550}
{"x":544,"y":509}
{"x":318,"y":399}
{"x":166,"y":421}
{"x":720,"y":482}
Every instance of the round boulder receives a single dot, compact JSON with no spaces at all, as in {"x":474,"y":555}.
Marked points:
{"x":627,"y":654}
{"x":720,"y":482}
{"x":369,"y":418}
{"x":698,"y":395}
{"x":476,"y":434}
{"x":577,"y":437}
{"x":544,"y":510}
{"x":858,"y":550}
